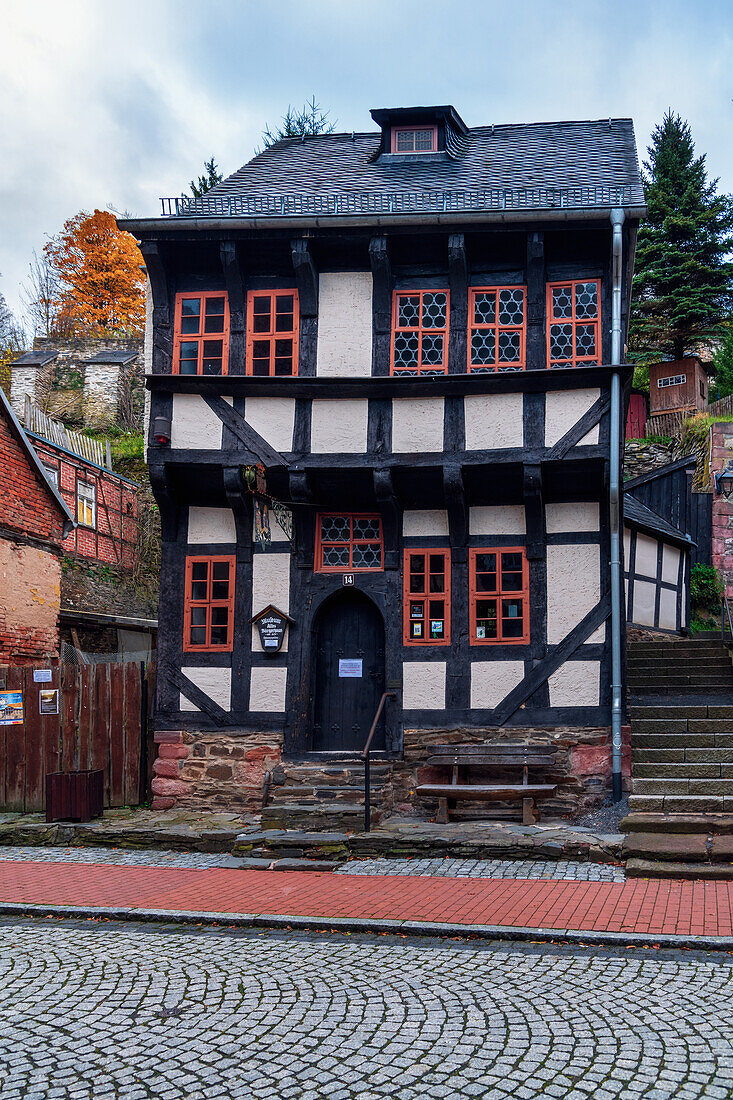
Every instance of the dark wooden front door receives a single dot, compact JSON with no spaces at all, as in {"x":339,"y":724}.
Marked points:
{"x":349,"y":673}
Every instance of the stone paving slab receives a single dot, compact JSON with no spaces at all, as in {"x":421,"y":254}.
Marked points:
{"x":636,"y":907}
{"x":94,"y":1011}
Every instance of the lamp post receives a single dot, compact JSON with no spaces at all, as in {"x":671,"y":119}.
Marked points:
{"x":724,"y":482}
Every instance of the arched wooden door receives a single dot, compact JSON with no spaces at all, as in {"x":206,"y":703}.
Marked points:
{"x":348,"y":673}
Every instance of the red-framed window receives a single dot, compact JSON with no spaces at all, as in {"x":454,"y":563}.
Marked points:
{"x":208,"y":620}
{"x":426,"y":597}
{"x":348,"y":543}
{"x":201,"y":335}
{"x":414,"y":139}
{"x":499,"y":596}
{"x":420,"y":332}
{"x":498,"y":326}
{"x":574,"y":323}
{"x":272,"y":333}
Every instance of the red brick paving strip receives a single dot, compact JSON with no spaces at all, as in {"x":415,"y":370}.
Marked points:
{"x":654,"y":906}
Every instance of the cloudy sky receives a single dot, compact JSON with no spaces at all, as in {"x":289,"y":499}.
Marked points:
{"x":120,"y":101}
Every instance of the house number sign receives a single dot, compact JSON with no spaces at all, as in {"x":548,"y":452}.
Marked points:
{"x":271,"y":626}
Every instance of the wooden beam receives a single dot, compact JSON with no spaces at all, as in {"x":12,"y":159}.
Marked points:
{"x":306,"y":277}
{"x":457,"y":508}
{"x":581,"y":428}
{"x":164,"y":499}
{"x":458,"y":282}
{"x":385,"y":494}
{"x":383,"y":284}
{"x":237,"y":424}
{"x":534,"y":512}
{"x":536,"y":283}
{"x":235,"y":294}
{"x":195,"y":695}
{"x":551,"y":663}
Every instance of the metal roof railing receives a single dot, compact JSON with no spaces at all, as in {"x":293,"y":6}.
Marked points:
{"x":296,"y":204}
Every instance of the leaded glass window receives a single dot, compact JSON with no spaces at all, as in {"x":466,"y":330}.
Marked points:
{"x":348,"y":543}
{"x":574,"y":323}
{"x":420,"y":332}
{"x":497,"y":320}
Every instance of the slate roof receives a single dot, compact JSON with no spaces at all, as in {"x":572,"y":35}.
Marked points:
{"x":35,"y":358}
{"x":637,"y":514}
{"x":113,"y":356}
{"x":541,"y":157}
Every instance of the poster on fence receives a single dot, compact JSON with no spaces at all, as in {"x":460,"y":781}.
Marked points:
{"x":48,"y":701}
{"x":11,"y":708}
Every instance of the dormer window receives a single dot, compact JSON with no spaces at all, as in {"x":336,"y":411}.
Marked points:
{"x":414,"y":139}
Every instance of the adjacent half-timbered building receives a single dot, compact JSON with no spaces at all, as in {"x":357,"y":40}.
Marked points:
{"x":386,"y":382}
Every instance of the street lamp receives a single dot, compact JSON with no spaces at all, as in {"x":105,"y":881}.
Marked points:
{"x":724,"y":481}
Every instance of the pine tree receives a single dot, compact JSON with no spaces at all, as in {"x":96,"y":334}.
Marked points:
{"x":206,"y":182}
{"x":309,"y":121}
{"x":683,"y":284}
{"x":723,"y":362}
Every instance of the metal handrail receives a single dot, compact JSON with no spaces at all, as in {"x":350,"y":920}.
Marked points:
{"x":298,"y":203}
{"x":365,"y":757}
{"x":725,"y":614}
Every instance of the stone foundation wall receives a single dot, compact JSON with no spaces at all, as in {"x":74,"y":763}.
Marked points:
{"x":582,"y":767}
{"x":213,"y":770}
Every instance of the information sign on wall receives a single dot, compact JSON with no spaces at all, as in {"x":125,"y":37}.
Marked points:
{"x":271,"y":626}
{"x":349,"y":666}
{"x":11,"y":708}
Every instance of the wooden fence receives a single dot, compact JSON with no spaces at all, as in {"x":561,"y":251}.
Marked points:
{"x":102,"y":723}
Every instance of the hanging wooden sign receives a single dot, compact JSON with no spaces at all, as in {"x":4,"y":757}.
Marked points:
{"x":271,"y":626}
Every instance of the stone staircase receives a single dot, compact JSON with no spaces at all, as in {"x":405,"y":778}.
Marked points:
{"x":320,"y":792}
{"x":680,"y":820}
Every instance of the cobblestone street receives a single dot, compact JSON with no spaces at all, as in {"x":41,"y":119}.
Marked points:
{"x":105,"y":1010}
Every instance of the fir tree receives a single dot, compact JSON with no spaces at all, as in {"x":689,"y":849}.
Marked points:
{"x":206,"y":182}
{"x":723,"y":362}
{"x":309,"y":121}
{"x":683,"y":288}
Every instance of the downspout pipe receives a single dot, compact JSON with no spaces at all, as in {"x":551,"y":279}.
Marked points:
{"x":617,"y":220}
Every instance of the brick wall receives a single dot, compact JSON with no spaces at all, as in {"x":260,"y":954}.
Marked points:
{"x":113,"y":540}
{"x":26,"y":506}
{"x":721,"y":453}
{"x":30,"y":581}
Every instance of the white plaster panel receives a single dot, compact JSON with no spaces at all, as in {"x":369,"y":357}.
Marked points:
{"x":668,"y":609}
{"x":270,"y":584}
{"x":344,"y":324}
{"x":273,"y":418}
{"x":670,"y":563}
{"x":339,"y":425}
{"x":627,"y":547}
{"x":267,"y":689}
{"x":563,"y":409}
{"x":214,"y":682}
{"x":494,"y":421}
{"x":573,"y":589}
{"x":417,"y":524}
{"x":497,"y":519}
{"x":642,"y":611}
{"x":576,"y":684}
{"x":491,"y":681}
{"x":194,"y":426}
{"x":646,"y":556}
{"x":417,"y":425}
{"x":568,"y":518}
{"x":423,"y":685}
{"x":211,"y":525}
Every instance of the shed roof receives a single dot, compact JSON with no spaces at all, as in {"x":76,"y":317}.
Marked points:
{"x":35,"y":358}
{"x":113,"y":355}
{"x":638,"y":515}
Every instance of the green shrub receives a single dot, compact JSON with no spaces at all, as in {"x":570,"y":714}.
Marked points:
{"x":706,"y":591}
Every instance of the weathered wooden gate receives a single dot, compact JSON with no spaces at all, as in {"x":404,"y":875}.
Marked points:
{"x":101,"y":724}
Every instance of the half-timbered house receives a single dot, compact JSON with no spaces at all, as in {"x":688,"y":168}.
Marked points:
{"x":387,"y":380}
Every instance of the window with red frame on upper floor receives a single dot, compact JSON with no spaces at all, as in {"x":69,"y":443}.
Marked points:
{"x":201,"y":338}
{"x":499,"y":596}
{"x":426,"y":597}
{"x":497,"y":319}
{"x":272,"y":333}
{"x":574,"y":323}
{"x":348,"y":543}
{"x":209,"y":604}
{"x":420,"y":332}
{"x":414,"y":139}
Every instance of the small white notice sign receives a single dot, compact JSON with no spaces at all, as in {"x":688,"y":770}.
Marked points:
{"x":349,"y":666}
{"x":41,"y":675}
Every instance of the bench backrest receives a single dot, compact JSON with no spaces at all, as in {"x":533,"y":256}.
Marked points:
{"x":506,"y":754}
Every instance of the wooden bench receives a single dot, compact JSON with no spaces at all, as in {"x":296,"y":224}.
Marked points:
{"x":506,"y":755}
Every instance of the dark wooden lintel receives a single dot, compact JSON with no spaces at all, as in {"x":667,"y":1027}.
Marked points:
{"x":533,"y":508}
{"x":306,"y":277}
{"x":383,"y":283}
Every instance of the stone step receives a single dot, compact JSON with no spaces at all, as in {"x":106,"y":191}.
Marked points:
{"x":318,"y":817}
{"x":660,"y":684}
{"x":673,"y":846}
{"x":685,"y":770}
{"x":692,"y":710}
{"x":650,"y":756}
{"x":280,"y":796}
{"x":683,"y":785}
{"x":680,"y":803}
{"x":689,"y":646}
{"x":683,"y":740}
{"x":654,"y":664}
{"x":647,"y":868}
{"x":719,"y":824}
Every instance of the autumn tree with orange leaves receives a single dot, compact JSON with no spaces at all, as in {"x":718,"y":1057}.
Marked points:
{"x":101,"y":289}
